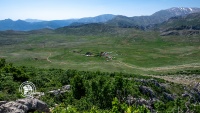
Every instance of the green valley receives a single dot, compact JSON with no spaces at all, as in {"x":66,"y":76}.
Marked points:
{"x":111,"y":67}
{"x":131,"y":50}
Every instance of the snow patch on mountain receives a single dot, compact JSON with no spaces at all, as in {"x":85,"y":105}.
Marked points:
{"x":183,"y":10}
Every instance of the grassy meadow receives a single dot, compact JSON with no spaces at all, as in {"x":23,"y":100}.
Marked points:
{"x":132,"y":51}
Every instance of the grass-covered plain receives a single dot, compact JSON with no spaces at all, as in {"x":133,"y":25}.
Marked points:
{"x":132,"y":51}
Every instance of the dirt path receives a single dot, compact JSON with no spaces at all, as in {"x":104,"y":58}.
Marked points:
{"x":192,"y":65}
{"x":62,"y":63}
{"x":48,"y":58}
{"x":175,"y":79}
{"x":165,"y":68}
{"x":130,"y":66}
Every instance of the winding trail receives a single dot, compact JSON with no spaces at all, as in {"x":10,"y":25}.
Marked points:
{"x":175,"y":79}
{"x":178,"y":80}
{"x":192,"y":65}
{"x":48,"y":58}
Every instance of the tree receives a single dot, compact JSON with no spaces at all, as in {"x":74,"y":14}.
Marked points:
{"x":2,"y":63}
{"x":78,"y":87}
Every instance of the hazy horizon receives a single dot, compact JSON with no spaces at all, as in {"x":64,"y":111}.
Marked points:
{"x":68,"y":9}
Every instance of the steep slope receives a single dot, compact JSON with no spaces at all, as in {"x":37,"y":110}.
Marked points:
{"x":183,"y":25}
{"x":156,"y":18}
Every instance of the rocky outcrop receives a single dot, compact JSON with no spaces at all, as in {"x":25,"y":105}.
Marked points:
{"x":147,"y":91}
{"x":169,"y":96}
{"x":64,"y":89}
{"x":24,"y":105}
{"x":152,"y":81}
{"x":141,"y":101}
{"x":186,"y":94}
{"x":30,"y":104}
{"x":192,"y":91}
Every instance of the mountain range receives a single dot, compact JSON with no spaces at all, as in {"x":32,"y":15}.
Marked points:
{"x":33,"y":24}
{"x":108,"y":19}
{"x":179,"y":25}
{"x":156,"y":18}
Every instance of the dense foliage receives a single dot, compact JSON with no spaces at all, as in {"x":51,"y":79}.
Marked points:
{"x":96,"y":92}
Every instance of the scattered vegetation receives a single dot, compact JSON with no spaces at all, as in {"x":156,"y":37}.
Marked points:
{"x":97,"y":91}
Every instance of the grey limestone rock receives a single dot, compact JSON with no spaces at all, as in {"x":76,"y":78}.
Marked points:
{"x":24,"y":105}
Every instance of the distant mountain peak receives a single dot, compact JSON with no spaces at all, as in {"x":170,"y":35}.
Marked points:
{"x":186,"y":10}
{"x":8,"y":19}
{"x":176,"y":11}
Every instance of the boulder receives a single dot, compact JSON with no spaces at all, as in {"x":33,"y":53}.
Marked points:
{"x":66,"y":87}
{"x":55,"y":92}
{"x":2,"y":102}
{"x":24,"y":105}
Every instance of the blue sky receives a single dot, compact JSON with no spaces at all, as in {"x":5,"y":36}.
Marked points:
{"x":66,"y":9}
